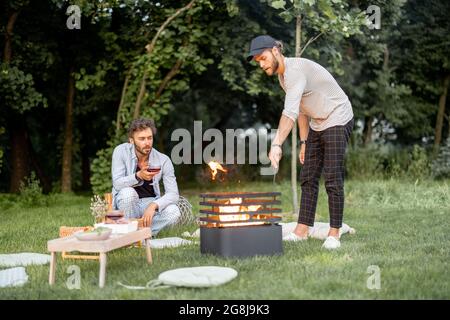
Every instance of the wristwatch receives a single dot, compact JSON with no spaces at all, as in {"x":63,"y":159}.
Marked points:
{"x":302,"y":142}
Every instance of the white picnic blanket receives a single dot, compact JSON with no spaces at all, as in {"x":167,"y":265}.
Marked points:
{"x":13,"y":277}
{"x":169,"y":242}
{"x":319,"y":231}
{"x":23,"y":259}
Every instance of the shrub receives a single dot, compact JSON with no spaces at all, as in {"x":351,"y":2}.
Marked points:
{"x":419,"y":165}
{"x":31,"y":192}
{"x":388,"y":161}
{"x":101,"y":179}
{"x":364,"y":162}
{"x":441,"y":166}
{"x":397,"y":162}
{"x":406,"y":162}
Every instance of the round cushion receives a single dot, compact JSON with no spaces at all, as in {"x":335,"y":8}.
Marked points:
{"x":207,"y":276}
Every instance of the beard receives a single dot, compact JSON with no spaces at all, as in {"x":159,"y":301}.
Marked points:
{"x":273,"y":67}
{"x":142,"y":151}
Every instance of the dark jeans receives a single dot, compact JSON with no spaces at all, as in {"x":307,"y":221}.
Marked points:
{"x":325,"y":151}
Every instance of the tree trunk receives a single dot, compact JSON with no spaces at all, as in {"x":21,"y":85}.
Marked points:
{"x":85,"y":170}
{"x":386,"y":58}
{"x":137,"y":106}
{"x":19,"y":153}
{"x":172,"y":73}
{"x":298,"y":35}
{"x":122,"y":101}
{"x":66,"y":178}
{"x":367,"y":132}
{"x":448,"y":119}
{"x":440,"y":115}
{"x":18,"y":131}
{"x":7,"y":52}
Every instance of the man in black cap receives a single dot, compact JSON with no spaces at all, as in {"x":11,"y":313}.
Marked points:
{"x":325,"y":119}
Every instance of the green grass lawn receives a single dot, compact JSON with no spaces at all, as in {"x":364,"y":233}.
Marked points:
{"x":401,"y":227}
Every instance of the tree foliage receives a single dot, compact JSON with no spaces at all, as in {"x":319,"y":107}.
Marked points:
{"x":394,"y":76}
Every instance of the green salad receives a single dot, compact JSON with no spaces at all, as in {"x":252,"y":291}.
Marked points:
{"x":98,"y":230}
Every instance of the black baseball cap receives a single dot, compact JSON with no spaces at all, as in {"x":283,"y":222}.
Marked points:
{"x":259,"y":44}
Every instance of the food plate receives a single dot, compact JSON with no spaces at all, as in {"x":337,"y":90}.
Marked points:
{"x":97,"y":234}
{"x":119,"y":228}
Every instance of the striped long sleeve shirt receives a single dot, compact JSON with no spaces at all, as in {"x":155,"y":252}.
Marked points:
{"x":311,"y":90}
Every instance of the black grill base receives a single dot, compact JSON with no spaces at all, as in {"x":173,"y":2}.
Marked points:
{"x":243,"y":241}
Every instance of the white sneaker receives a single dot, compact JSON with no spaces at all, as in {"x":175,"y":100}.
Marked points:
{"x":331,"y":243}
{"x":293,"y":237}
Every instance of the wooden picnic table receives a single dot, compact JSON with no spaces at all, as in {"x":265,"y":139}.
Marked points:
{"x":115,"y":241}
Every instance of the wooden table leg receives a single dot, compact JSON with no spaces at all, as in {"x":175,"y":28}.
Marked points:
{"x":52,"y":275}
{"x":101,"y":281}
{"x":148,"y":251}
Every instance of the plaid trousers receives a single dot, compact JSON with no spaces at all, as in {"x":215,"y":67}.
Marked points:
{"x":325,"y":151}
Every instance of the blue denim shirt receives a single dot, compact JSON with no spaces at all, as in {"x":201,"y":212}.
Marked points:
{"x":124,"y":163}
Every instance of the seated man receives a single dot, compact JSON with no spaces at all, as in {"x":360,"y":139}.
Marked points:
{"x":136,"y":189}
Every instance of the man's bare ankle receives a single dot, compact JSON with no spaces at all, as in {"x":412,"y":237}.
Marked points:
{"x":334,"y":232}
{"x":301,"y":231}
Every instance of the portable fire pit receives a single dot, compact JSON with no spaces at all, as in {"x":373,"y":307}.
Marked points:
{"x":240,"y":224}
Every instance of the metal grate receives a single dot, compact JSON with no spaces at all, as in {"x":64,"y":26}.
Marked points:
{"x":229,"y":209}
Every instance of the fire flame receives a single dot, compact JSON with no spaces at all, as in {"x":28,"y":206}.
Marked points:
{"x":239,"y":216}
{"x":215,"y":166}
